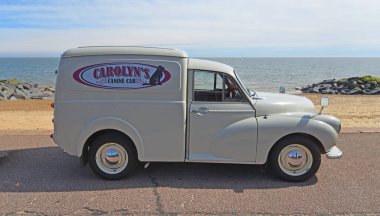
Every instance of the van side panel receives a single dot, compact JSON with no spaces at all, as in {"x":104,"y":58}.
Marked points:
{"x":151,"y":112}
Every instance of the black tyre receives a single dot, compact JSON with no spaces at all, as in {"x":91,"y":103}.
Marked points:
{"x":295,"y":159}
{"x":112,"y":156}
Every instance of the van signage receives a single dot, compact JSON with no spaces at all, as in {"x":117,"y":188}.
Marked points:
{"x":122,"y":75}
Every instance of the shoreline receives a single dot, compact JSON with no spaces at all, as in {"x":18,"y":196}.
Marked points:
{"x":357,"y":112}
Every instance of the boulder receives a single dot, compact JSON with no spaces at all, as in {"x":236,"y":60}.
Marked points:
{"x":375,"y":92}
{"x":345,"y":91}
{"x":2,"y":96}
{"x":35,"y":90}
{"x":27,"y":86}
{"x":315,"y":90}
{"x":8,"y":92}
{"x":19,"y":94}
{"x":49,"y":89}
{"x":356,"y":91}
{"x":326,"y":91}
{"x":41,"y":95}
{"x":19,"y":86}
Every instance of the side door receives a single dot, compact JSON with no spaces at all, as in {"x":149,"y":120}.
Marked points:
{"x":222,"y":126}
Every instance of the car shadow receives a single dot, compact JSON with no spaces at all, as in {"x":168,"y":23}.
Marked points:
{"x":52,"y":170}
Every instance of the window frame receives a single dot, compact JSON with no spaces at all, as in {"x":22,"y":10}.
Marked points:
{"x":244,"y":99}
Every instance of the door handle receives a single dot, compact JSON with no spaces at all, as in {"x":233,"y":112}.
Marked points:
{"x":200,"y":111}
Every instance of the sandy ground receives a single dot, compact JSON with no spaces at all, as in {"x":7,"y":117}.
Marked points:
{"x":36,"y":115}
{"x":355,"y":111}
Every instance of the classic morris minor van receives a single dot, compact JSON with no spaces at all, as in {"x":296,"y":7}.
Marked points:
{"x":116,"y":107}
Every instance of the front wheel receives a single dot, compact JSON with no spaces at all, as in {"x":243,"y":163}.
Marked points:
{"x":112,"y":156}
{"x":295,"y":159}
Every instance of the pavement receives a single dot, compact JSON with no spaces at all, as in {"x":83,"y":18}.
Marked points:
{"x":38,"y":178}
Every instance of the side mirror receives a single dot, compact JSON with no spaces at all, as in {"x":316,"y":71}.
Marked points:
{"x":324,"y":103}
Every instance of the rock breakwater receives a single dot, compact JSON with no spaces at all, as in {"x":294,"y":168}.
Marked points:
{"x":367,"y":85}
{"x":15,"y":89}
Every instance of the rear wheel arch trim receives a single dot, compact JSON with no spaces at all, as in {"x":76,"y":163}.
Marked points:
{"x":100,"y":125}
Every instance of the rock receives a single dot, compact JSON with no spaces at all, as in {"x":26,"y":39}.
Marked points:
{"x":12,"y":98}
{"x":326,"y":91}
{"x":27,"y":86}
{"x":2,"y":96}
{"x":356,"y":91}
{"x":367,"y":91}
{"x":41,"y":95}
{"x":8,"y":92}
{"x":19,"y":94}
{"x":49,"y":89}
{"x":375,"y":92}
{"x":298,"y":88}
{"x":372,"y":83}
{"x":353,"y":78}
{"x":345,"y":91}
{"x":19,"y":86}
{"x":35,"y":90}
{"x":315,"y":90}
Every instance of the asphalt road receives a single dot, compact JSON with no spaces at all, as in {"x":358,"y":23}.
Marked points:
{"x":40,"y":179}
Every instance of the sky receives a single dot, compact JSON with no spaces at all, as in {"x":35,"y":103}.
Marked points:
{"x":203,"y":28}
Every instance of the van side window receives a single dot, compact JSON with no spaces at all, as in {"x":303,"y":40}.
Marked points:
{"x":216,"y":87}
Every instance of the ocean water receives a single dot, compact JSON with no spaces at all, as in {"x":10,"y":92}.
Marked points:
{"x":259,"y":74}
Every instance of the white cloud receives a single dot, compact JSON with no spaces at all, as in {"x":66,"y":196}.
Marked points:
{"x":55,"y":27}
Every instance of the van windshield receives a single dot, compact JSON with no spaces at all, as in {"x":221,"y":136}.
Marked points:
{"x":242,"y":84}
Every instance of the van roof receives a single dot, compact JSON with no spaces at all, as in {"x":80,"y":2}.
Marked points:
{"x":124,"y":50}
{"x":200,"y":64}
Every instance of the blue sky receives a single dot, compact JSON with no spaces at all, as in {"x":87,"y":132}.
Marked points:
{"x":256,"y":28}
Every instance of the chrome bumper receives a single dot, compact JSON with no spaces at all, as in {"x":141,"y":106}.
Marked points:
{"x":334,"y":153}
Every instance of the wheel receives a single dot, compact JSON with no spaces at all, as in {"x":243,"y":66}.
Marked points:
{"x":112,"y":156}
{"x":295,"y":159}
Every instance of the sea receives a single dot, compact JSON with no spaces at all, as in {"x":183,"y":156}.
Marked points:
{"x":258,"y":74}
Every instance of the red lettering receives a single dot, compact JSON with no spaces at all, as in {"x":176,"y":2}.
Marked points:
{"x":124,"y":71}
{"x":147,"y":73}
{"x":102,"y":73}
{"x":130,"y":71}
{"x":110,"y":72}
{"x":117,"y":71}
{"x":137,"y":72}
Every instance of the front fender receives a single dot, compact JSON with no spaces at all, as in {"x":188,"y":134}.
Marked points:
{"x":106,"y":123}
{"x":274,"y":127}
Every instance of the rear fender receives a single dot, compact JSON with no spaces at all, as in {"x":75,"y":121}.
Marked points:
{"x":110,"y":123}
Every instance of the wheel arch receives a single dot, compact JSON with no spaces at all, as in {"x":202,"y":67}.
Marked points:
{"x":103,"y":125}
{"x":309,"y":136}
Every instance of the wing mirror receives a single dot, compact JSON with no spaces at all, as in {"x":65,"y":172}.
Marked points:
{"x":324,"y":103}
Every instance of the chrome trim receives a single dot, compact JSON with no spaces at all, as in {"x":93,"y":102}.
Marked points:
{"x":111,"y":158}
{"x":295,"y":160}
{"x":334,"y":153}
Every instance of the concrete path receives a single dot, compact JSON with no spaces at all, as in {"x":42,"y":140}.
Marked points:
{"x":38,"y":178}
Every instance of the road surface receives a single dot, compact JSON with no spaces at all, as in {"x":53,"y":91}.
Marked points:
{"x":40,"y":179}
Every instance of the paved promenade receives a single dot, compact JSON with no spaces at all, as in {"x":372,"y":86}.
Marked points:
{"x":38,"y":178}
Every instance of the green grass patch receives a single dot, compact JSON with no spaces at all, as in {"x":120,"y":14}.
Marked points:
{"x":370,"y":78}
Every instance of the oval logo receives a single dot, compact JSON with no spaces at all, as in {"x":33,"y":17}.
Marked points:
{"x":122,"y":75}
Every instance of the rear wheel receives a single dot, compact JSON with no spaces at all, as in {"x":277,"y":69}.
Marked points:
{"x":295,"y":159}
{"x":113,"y":156}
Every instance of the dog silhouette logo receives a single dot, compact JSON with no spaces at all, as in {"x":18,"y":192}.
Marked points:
{"x":156,"y":77}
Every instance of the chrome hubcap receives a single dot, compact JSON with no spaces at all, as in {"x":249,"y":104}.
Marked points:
{"x":111,"y":158}
{"x":295,"y":160}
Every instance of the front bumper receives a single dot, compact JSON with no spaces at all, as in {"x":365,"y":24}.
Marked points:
{"x":334,"y":153}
